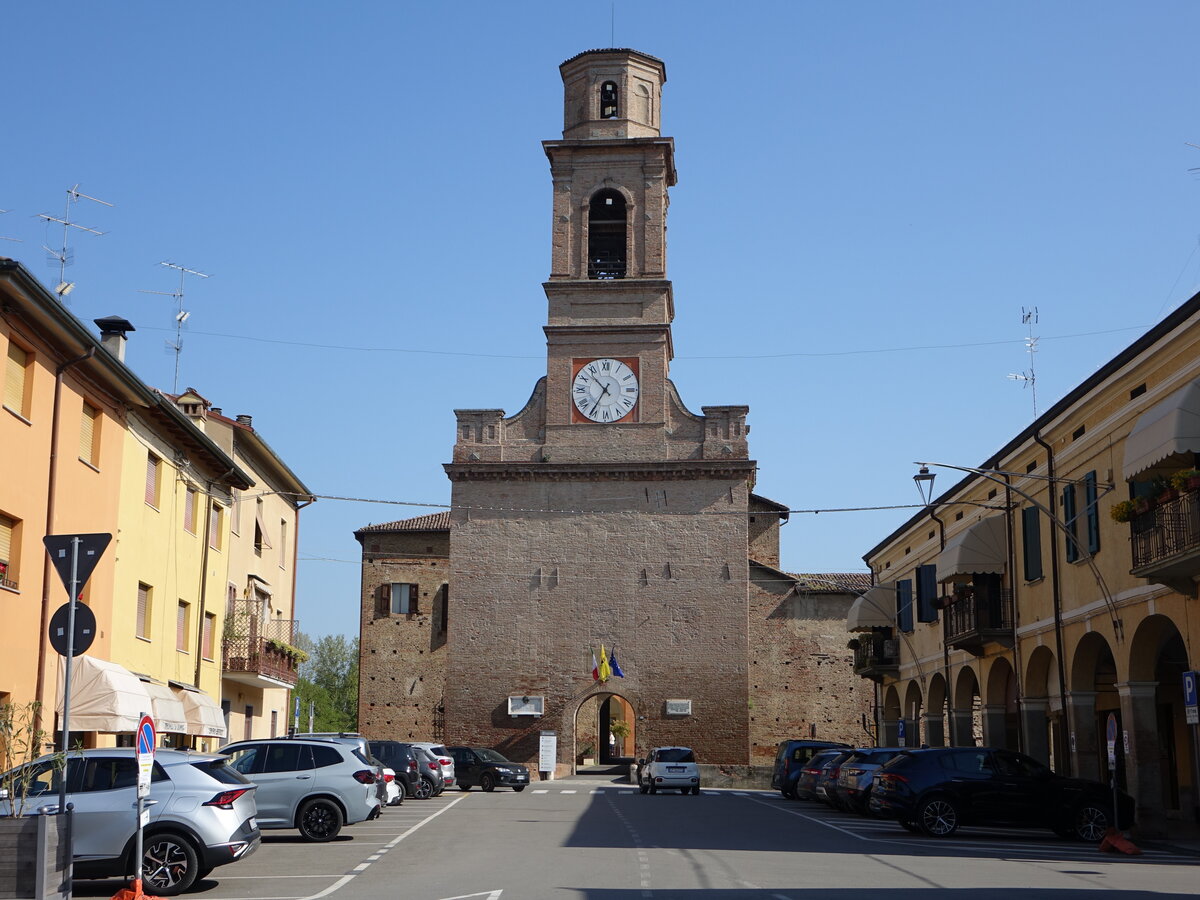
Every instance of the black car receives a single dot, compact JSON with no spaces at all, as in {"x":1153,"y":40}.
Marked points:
{"x":937,"y":789}
{"x":401,"y":758}
{"x":802,"y":784}
{"x":487,"y":768}
{"x":790,"y":759}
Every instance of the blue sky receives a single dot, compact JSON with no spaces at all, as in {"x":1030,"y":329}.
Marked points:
{"x":869,"y":195}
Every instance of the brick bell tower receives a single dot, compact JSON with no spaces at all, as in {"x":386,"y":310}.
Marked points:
{"x":603,"y":512}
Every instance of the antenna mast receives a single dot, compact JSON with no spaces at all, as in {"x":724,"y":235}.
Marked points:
{"x":181,"y":315}
{"x":1029,"y":317}
{"x":64,"y":256}
{"x":2,"y":237}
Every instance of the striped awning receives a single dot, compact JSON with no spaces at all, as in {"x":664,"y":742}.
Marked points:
{"x":875,"y":608}
{"x":1167,"y":428}
{"x":981,"y":548}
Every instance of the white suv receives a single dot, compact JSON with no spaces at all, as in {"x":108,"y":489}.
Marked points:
{"x":443,"y":757}
{"x":669,"y":767}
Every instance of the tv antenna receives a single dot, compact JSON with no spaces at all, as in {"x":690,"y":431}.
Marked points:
{"x":181,"y":315}
{"x":65,"y":256}
{"x":2,"y":237}
{"x":1029,"y":317}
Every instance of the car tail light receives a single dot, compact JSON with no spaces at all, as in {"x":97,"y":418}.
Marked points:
{"x":812,"y":771}
{"x":445,"y":761}
{"x":387,"y":776}
{"x":364,"y":776}
{"x":891,"y":778}
{"x":224,"y":800}
{"x":412,"y":766}
{"x":854,"y":773}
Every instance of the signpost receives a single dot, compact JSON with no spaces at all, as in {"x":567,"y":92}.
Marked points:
{"x":1191,"y":687}
{"x":145,"y":762}
{"x":901,"y":730}
{"x":1111,"y":736}
{"x":548,"y":752}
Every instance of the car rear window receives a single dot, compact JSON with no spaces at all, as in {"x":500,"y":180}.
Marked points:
{"x":221,"y":771}
{"x":676,"y":755}
{"x":327,"y":756}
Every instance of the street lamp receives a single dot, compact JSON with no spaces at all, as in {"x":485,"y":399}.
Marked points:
{"x":924,"y":483}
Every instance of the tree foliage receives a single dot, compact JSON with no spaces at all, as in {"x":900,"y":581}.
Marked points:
{"x":328,"y":680}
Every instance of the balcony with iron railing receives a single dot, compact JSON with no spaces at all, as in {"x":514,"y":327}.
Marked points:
{"x":258,"y":651}
{"x":978,"y":615}
{"x":876,"y":657}
{"x":1165,"y":540}
{"x":6,"y":576}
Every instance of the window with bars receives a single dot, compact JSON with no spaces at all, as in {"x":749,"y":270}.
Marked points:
{"x":153,"y":479}
{"x":144,"y":598}
{"x":189,"y":510}
{"x":89,"y":435}
{"x":9,"y":551}
{"x":17,"y":379}
{"x":181,"y":626}
{"x":210,"y":627}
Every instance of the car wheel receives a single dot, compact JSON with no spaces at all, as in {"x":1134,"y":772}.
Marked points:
{"x":518,"y":788}
{"x":169,"y":865}
{"x":653,"y":788}
{"x":463,"y":787}
{"x":201,"y":874}
{"x":424,"y":789}
{"x":643,"y":787}
{"x":696,"y":791}
{"x":487,"y":782}
{"x":1090,"y":822}
{"x":319,"y":820}
{"x":938,"y":817}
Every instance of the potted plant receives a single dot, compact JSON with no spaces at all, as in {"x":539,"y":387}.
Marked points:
{"x":39,"y":844}
{"x":1187,"y":480}
{"x":1123,"y":511}
{"x":620,"y":730}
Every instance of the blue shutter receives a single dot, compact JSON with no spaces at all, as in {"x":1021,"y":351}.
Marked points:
{"x":1031,"y":537}
{"x":1092,"y":511}
{"x":926,"y":593}
{"x":904,"y":610}
{"x":1068,"y":511}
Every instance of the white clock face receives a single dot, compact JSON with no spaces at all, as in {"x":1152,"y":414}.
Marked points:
{"x":605,"y":390}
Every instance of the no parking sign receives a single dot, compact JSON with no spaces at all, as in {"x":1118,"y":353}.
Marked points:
{"x":145,"y":755}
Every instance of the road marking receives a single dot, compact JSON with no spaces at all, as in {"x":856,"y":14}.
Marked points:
{"x":566,"y":792}
{"x":542,"y":791}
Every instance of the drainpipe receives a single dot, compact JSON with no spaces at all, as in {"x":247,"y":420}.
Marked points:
{"x":947,"y":718}
{"x":1056,"y":597}
{"x":51,"y":496}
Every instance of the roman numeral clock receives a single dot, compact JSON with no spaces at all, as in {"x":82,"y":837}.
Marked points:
{"x":604,"y":390}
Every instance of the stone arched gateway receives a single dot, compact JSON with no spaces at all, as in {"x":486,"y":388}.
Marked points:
{"x":604,"y":730}
{"x":1160,"y":765}
{"x":1093,"y":677}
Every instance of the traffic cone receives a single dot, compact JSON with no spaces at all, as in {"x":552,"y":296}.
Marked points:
{"x":1115,"y":842}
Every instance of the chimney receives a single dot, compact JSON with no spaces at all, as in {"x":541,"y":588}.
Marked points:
{"x":248,"y":421}
{"x":216,"y":410}
{"x":112,"y":335}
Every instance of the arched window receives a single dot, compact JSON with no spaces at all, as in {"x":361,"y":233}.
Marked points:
{"x":608,"y":100}
{"x":606,"y":235}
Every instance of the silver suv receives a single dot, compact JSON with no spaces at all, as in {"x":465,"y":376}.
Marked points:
{"x":202,"y":813}
{"x":316,"y":786}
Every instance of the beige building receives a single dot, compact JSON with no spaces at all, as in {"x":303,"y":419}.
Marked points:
{"x":1052,"y":590}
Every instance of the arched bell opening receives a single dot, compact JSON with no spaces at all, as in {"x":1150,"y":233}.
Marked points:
{"x":607,"y":251}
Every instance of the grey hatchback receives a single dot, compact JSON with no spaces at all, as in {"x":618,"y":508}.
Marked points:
{"x":316,"y":786}
{"x":202,"y":813}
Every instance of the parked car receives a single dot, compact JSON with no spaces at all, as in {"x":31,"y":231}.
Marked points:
{"x":669,"y":767}
{"x":433,"y":782}
{"x":805,"y":785}
{"x":443,"y":756}
{"x":487,"y":768}
{"x":314,"y":785}
{"x":825,"y":787}
{"x":402,"y":759}
{"x":857,"y":775}
{"x":790,"y":759}
{"x":936,"y":790}
{"x":356,"y":740}
{"x":202,"y":813}
{"x":395,"y":793}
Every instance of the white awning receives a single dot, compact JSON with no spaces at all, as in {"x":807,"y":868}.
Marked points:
{"x":203,"y":713}
{"x":104,"y":696}
{"x":169,"y":715}
{"x":1167,"y":428}
{"x":876,"y":608}
{"x":982,"y":547}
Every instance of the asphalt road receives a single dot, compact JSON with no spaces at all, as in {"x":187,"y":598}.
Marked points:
{"x":574,"y":840}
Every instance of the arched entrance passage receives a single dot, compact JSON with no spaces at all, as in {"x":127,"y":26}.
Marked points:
{"x":1042,"y":710}
{"x":1000,"y":727}
{"x":966,"y":717}
{"x":935,"y":712}
{"x":912,"y":716}
{"x":605,"y":730}
{"x":889,"y":716}
{"x":1093,"y":696}
{"x":1160,"y":748}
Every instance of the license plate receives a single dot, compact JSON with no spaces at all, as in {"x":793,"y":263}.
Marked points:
{"x":522,"y":777}
{"x":252,"y":822}
{"x":675,"y":769}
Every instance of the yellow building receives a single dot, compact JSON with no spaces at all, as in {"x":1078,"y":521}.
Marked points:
{"x":1052,"y":590}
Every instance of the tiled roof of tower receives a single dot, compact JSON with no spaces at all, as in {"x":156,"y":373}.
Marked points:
{"x":612,"y":50}
{"x":832,"y":582}
{"x":439,"y":521}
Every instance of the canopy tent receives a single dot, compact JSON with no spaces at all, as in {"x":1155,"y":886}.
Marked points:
{"x":981,"y":548}
{"x":169,"y":715}
{"x":104,"y":696}
{"x":876,"y":608}
{"x":1164,"y":430}
{"x":203,"y":713}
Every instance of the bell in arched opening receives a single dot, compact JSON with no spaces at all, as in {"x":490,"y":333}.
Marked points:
{"x":608,"y":100}
{"x":606,"y":235}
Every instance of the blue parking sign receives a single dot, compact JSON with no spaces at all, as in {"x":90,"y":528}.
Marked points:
{"x":1190,"y":709}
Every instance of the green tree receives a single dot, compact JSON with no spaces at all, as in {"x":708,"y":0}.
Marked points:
{"x":328,"y":680}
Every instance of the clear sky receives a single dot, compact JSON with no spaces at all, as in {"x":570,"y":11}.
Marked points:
{"x":869,"y":195}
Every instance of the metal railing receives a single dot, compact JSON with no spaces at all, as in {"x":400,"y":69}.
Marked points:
{"x":874,"y":651}
{"x":978,"y":613}
{"x":1167,"y":530}
{"x":259,"y":645}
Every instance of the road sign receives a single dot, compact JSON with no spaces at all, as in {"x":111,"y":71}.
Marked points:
{"x":1191,"y":683}
{"x":85,"y":629}
{"x":901,"y":733}
{"x":145,"y":754}
{"x":1111,"y":734}
{"x":91,"y":548}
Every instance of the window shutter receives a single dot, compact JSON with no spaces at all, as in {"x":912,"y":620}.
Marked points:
{"x":385,"y":599}
{"x":189,"y":511}
{"x":1069,"y":517}
{"x":181,"y":627}
{"x":414,"y":593}
{"x":87,"y":433}
{"x":445,"y":617}
{"x":152,"y":479}
{"x":1031,"y":533}
{"x":927,"y":588}
{"x":6,"y":530}
{"x":209,"y":620}
{"x":143,"y":609}
{"x":14,"y":378}
{"x":214,"y":527}
{"x":1093,"y":513}
{"x":904,"y":611}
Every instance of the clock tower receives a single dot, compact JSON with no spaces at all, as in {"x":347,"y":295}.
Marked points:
{"x":604,"y":512}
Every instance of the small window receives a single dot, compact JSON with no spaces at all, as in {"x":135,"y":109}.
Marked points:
{"x":261,"y":541}
{"x":444,"y":615}
{"x":142,"y":624}
{"x":215,"y":526}
{"x":17,"y":380}
{"x":404,"y":599}
{"x":1070,"y":519}
{"x":210,"y":626}
{"x":9,"y":551}
{"x":153,"y":479}
{"x":89,"y":435}
{"x":283,"y":536}
{"x":235,"y":512}
{"x":189,"y":510}
{"x":1031,"y":534}
{"x":181,"y":626}
{"x":608,"y":100}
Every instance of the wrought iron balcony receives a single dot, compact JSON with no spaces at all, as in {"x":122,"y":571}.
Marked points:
{"x":978,"y":615}
{"x":1166,"y":542}
{"x":257,"y":651}
{"x":5,"y":577}
{"x":877,"y":657}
